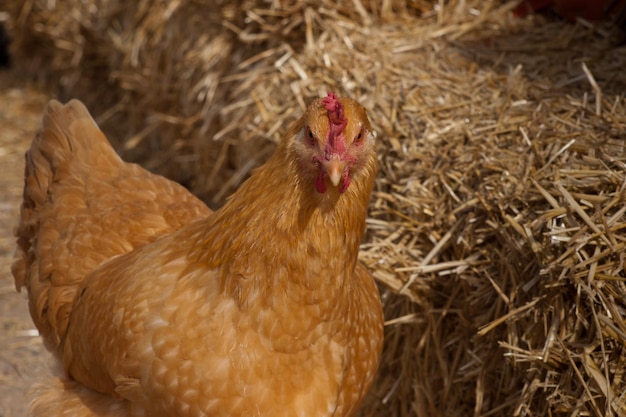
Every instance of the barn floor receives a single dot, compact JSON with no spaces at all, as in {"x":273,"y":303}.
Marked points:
{"x":22,"y":355}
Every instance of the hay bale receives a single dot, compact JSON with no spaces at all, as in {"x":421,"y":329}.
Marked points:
{"x":150,"y":70}
{"x":497,"y":220}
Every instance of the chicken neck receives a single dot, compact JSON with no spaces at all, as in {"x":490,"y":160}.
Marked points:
{"x":278,"y":242}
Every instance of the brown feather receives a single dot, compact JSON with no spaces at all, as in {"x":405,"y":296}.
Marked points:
{"x":261,"y":308}
{"x":82,"y":206}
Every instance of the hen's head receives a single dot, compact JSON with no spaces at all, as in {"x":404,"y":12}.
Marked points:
{"x":334,"y":142}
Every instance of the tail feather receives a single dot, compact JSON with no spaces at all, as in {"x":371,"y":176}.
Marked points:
{"x":68,"y":134}
{"x":83,"y":205}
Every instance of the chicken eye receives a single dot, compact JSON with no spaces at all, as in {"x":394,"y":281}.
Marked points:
{"x":359,"y":137}
{"x":309,"y":136}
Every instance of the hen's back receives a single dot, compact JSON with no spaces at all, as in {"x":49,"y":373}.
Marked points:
{"x":82,"y":206}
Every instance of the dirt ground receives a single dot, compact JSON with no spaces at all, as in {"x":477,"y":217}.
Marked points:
{"x":22,"y":355}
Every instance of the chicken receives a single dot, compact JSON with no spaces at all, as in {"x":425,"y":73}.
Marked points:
{"x":154,"y":306}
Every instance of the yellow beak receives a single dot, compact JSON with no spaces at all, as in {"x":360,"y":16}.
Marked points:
{"x":334,"y":168}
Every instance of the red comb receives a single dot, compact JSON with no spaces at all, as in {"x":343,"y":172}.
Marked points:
{"x":337,"y":121}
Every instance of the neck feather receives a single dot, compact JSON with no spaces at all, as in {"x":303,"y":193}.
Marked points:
{"x":278,"y":227}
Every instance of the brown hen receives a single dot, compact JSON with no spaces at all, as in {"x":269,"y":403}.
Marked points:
{"x":156,"y":307}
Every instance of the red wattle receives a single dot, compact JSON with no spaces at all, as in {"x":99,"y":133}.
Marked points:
{"x":345,"y":181}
